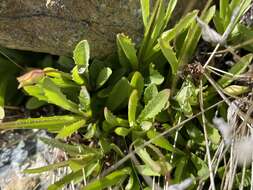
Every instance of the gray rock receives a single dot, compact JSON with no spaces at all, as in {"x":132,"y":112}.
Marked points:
{"x":55,"y":26}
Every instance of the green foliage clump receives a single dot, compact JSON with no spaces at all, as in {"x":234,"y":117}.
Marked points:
{"x":131,"y":107}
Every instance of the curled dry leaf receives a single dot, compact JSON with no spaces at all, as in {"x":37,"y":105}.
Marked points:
{"x":31,"y":77}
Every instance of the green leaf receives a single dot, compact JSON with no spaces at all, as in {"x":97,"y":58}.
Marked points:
{"x":137,"y":82}
{"x":34,"y":103}
{"x":84,"y":99}
{"x":132,"y":107}
{"x":146,"y":170}
{"x":180,"y":169}
{"x":144,"y":155}
{"x":223,"y":8}
{"x":150,"y":92}
{"x":66,"y":179}
{"x":237,"y":69}
{"x":70,"y":129}
{"x":95,"y":68}
{"x":103,"y":76}
{"x":148,"y":31}
{"x":36,"y":91}
{"x":79,"y":79}
{"x":121,"y":131}
{"x":193,"y":37}
{"x":55,"y":96}
{"x":236,"y":90}
{"x":71,"y":149}
{"x":113,"y":120}
{"x":145,"y":6}
{"x":47,"y":168}
{"x":128,"y":48}
{"x":186,"y":97}
{"x":161,"y":141}
{"x":61,"y":79}
{"x":112,"y":179}
{"x":155,"y":105}
{"x":53,"y":124}
{"x":154,"y":76}
{"x":119,"y":94}
{"x":81,"y":56}
{"x":169,"y":54}
{"x":200,"y":165}
{"x":91,"y":131}
{"x":171,"y":34}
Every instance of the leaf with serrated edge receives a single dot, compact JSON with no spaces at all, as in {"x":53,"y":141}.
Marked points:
{"x":103,"y":76}
{"x":70,"y":129}
{"x":81,"y":54}
{"x":109,"y":180}
{"x":137,"y":82}
{"x":150,"y":92}
{"x":119,"y":94}
{"x":155,"y":105}
{"x":127,"y":46}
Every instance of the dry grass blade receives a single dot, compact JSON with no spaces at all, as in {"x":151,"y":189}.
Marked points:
{"x":201,"y":102}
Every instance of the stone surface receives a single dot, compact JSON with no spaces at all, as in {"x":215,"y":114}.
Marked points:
{"x":23,"y":153}
{"x":55,"y":26}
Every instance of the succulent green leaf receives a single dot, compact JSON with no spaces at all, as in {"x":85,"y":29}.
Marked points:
{"x":103,"y":76}
{"x":186,"y":97}
{"x":47,"y":168}
{"x":200,"y":165}
{"x":155,"y":105}
{"x":52,"y":124}
{"x":119,"y":94}
{"x":34,"y":103}
{"x":154,"y":76}
{"x":150,"y":92}
{"x":161,"y":141}
{"x":144,"y":155}
{"x":70,"y":129}
{"x":81,"y":56}
{"x":128,"y":48}
{"x":84,"y":99}
{"x":146,"y":170}
{"x":55,"y":96}
{"x":137,"y":82}
{"x":113,"y":120}
{"x":66,"y":180}
{"x":109,"y":180}
{"x":169,"y":54}
{"x":79,"y":79}
{"x":71,"y":149}
{"x":145,"y":6}
{"x":121,"y":131}
{"x":132,"y":107}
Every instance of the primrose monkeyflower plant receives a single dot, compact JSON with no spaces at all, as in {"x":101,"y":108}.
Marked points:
{"x":145,"y":115}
